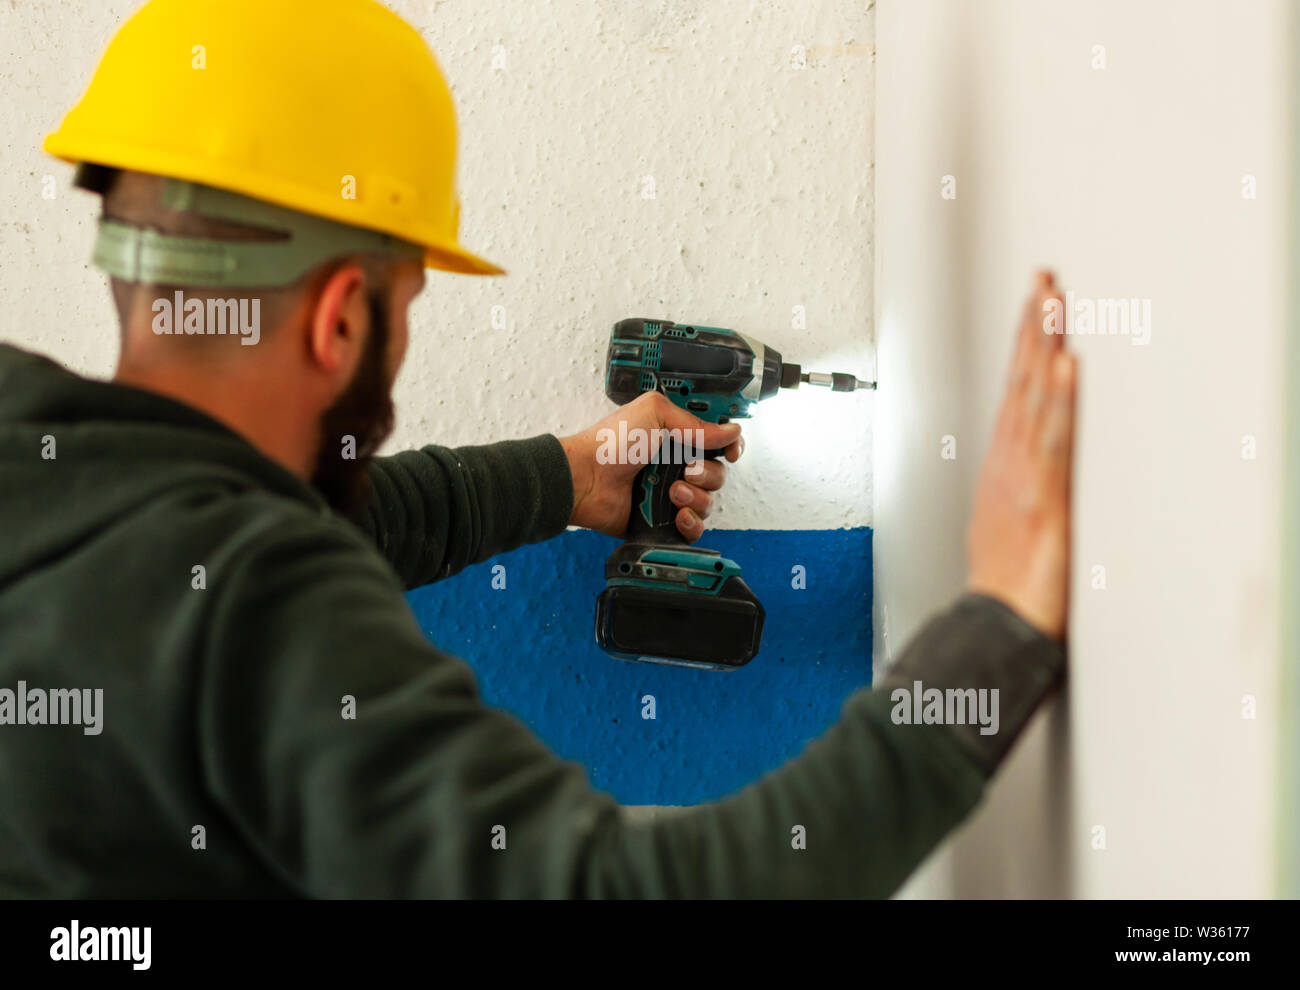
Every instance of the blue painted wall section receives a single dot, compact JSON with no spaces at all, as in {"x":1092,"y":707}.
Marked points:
{"x":533,"y":648}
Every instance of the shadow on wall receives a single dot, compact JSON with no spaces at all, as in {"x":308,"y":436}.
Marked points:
{"x":934,"y":363}
{"x":990,"y":859}
{"x":533,"y":648}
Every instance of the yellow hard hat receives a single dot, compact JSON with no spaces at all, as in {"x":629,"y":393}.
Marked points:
{"x":334,"y":108}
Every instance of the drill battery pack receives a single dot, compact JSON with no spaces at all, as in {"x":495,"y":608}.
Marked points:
{"x":682,"y":605}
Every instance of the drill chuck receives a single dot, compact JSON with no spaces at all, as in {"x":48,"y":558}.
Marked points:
{"x":836,"y":381}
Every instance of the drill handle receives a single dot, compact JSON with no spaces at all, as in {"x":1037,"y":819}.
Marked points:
{"x":653,"y":516}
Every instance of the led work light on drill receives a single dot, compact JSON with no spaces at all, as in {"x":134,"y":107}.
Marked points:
{"x":666,"y":601}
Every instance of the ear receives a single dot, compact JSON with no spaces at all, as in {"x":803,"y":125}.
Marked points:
{"x":336,"y":335}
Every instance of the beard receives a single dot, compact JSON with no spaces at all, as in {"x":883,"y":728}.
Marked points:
{"x":363,"y":412}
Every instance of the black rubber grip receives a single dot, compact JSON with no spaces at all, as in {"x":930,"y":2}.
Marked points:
{"x":650,"y":497}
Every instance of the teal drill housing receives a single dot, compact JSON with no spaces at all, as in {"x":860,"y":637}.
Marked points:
{"x":666,"y":601}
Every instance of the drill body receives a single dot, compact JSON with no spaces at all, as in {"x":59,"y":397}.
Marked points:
{"x":666,"y":601}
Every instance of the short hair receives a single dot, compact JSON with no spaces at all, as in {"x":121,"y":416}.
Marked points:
{"x":135,"y":198}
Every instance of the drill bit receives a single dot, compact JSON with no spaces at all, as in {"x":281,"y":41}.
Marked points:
{"x":836,"y":381}
{"x":792,"y":375}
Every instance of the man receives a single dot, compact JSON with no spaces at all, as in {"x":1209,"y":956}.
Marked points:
{"x":203,"y":566}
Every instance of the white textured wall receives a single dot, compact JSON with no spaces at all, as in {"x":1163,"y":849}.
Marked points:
{"x":1128,"y":179}
{"x":762,"y":175}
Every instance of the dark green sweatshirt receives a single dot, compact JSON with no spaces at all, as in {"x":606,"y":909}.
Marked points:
{"x":222,"y":764}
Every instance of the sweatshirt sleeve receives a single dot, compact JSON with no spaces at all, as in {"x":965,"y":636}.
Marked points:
{"x":434,"y":511}
{"x":426,"y":792}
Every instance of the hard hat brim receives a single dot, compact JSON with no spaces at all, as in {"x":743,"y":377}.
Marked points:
{"x":456,"y":259}
{"x":440,"y":254}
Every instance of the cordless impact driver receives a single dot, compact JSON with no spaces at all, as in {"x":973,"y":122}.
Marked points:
{"x":666,"y":601}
